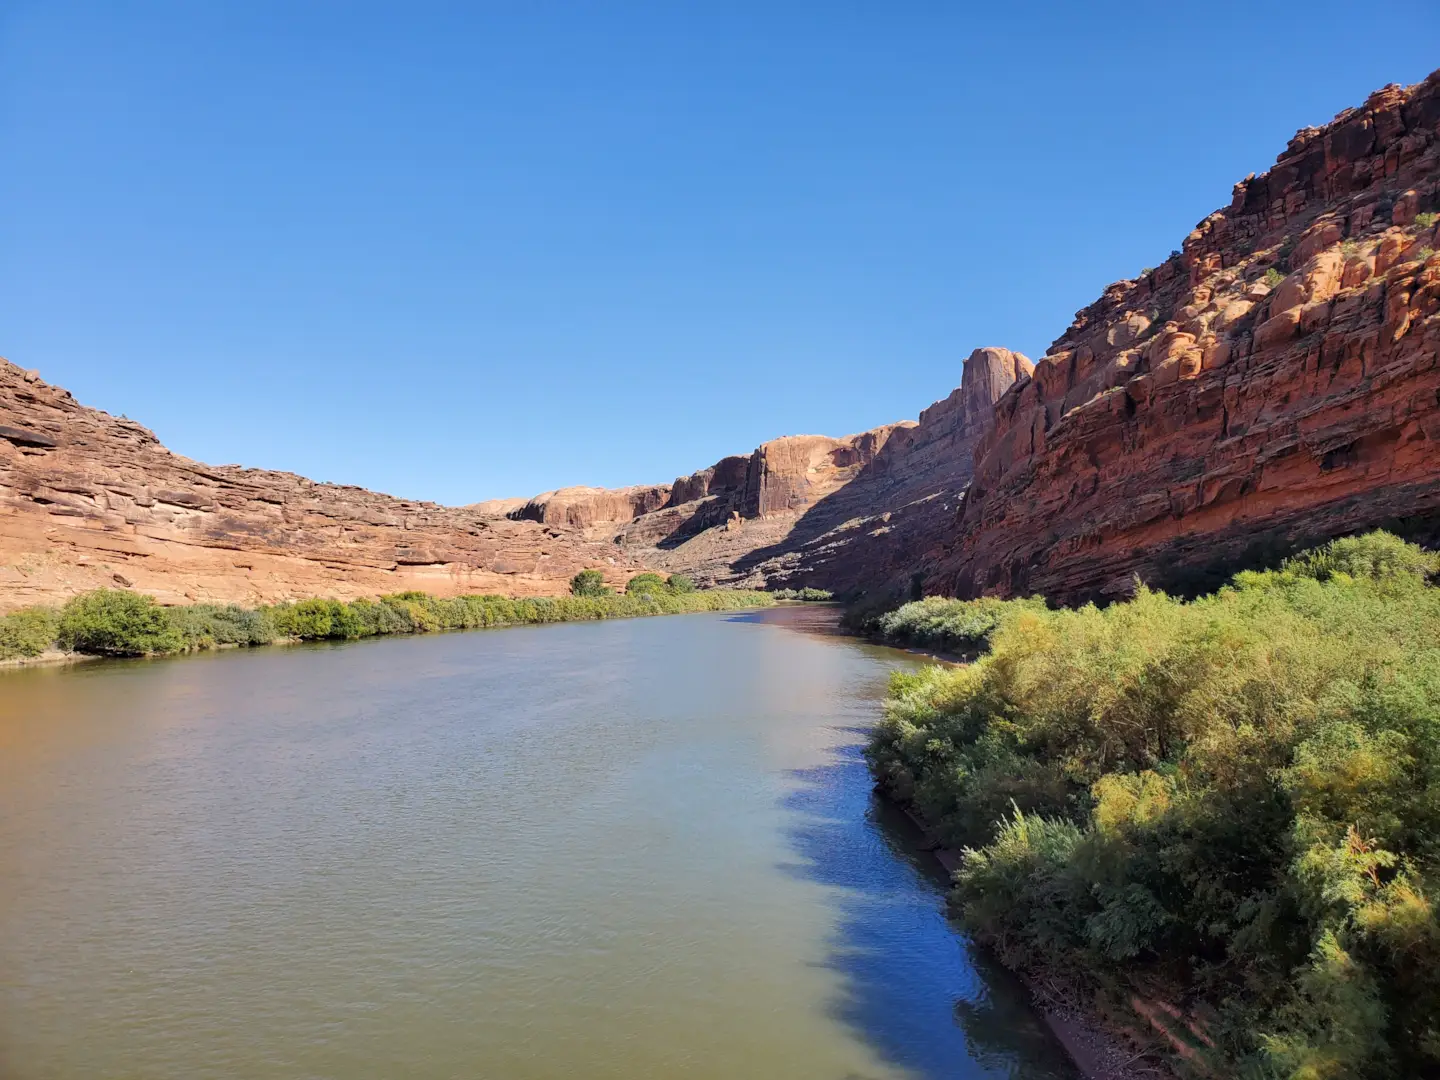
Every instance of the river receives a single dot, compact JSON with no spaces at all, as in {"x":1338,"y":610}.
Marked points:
{"x":608,"y":851}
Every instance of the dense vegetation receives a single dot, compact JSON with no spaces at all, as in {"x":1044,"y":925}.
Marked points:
{"x":806,"y":593}
{"x":592,"y":583}
{"x":1230,"y":805}
{"x":116,"y":622}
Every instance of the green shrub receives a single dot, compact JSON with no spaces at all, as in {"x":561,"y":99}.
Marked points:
{"x":1233,"y":802}
{"x":117,"y":623}
{"x":113,"y":622}
{"x":588,"y":583}
{"x":206,"y":626}
{"x":806,"y":593}
{"x":679,"y":583}
{"x":1274,"y":276}
{"x":956,"y":626}
{"x":27,"y":632}
{"x":642,"y":583}
{"x":1427,"y":219}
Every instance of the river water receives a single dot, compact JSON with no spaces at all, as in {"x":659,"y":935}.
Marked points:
{"x":625,"y":850}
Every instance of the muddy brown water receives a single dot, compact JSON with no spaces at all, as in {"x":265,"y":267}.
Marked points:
{"x":640,"y":849}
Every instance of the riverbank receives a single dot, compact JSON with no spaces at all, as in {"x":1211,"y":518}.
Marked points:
{"x":1097,"y":1050}
{"x":114,"y":622}
{"x":1211,"y":821}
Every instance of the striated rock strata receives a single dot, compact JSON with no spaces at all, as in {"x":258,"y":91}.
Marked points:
{"x":803,"y":509}
{"x":1274,"y":383}
{"x":89,"y":500}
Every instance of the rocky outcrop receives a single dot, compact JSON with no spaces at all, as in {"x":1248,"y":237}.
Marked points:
{"x":1274,"y":383}
{"x":586,"y":507}
{"x":833,"y":513}
{"x":90,"y":500}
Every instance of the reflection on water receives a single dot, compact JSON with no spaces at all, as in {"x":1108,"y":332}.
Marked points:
{"x":623,"y":850}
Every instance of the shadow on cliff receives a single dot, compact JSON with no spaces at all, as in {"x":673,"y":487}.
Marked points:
{"x":918,"y":506}
{"x":911,"y":987}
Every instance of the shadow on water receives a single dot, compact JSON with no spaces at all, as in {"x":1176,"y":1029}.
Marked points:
{"x":914,"y":988}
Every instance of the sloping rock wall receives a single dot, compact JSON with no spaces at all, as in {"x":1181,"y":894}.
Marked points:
{"x":1273,"y":384}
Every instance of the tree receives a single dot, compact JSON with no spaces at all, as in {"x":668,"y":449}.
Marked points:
{"x":588,"y":583}
{"x":679,"y":583}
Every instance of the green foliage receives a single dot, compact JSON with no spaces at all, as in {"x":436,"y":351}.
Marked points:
{"x":1274,"y":276}
{"x":1427,"y":219}
{"x":1426,"y":253}
{"x":1235,"y":799}
{"x":588,"y":583}
{"x":956,"y":626}
{"x":679,"y":583}
{"x":642,"y":583}
{"x":807,"y":593}
{"x":27,"y":632}
{"x":114,"y":622}
{"x":209,"y":626}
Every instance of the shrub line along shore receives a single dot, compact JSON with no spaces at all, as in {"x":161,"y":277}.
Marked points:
{"x":116,"y":623}
{"x":1214,"y":824}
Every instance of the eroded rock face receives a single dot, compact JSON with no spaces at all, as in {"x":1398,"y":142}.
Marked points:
{"x":833,"y":513}
{"x":88,"y":500}
{"x":1273,"y":384}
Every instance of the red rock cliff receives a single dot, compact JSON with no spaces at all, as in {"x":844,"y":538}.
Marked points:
{"x":1273,"y":384}
{"x":88,"y":500}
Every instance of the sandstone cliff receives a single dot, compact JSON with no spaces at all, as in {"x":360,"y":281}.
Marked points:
{"x":89,"y":500}
{"x":803,"y":509}
{"x":1274,"y":383}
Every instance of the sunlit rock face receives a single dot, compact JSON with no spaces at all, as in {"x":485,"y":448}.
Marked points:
{"x":1272,"y":384}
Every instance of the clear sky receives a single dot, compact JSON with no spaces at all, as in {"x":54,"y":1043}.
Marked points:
{"x":470,"y":250}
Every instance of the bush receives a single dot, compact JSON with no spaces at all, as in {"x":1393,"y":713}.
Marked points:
{"x":1274,"y":276}
{"x":207,"y":626}
{"x":27,"y":632}
{"x":113,"y":622}
{"x":1232,"y":802}
{"x":642,"y":583}
{"x":1426,"y":220}
{"x":963,"y":627}
{"x":588,"y":583}
{"x":806,"y":593}
{"x":679,"y":583}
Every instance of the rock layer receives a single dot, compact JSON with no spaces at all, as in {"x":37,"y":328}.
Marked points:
{"x":88,"y":500}
{"x":1273,"y":384}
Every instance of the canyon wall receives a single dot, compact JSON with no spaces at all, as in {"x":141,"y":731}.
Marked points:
{"x":801,"y":510}
{"x":1274,"y":383}
{"x":90,"y":500}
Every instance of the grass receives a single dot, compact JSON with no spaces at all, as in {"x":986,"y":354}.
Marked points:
{"x":1232,"y":801}
{"x":117,"y":622}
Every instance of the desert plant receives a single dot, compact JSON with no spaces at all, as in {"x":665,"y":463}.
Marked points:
{"x":27,"y":632}
{"x":588,"y":583}
{"x":642,"y":583}
{"x":1233,"y":800}
{"x":1427,"y":219}
{"x":679,"y":583}
{"x":114,"y":622}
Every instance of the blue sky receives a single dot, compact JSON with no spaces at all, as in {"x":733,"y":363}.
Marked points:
{"x":461,"y":251}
